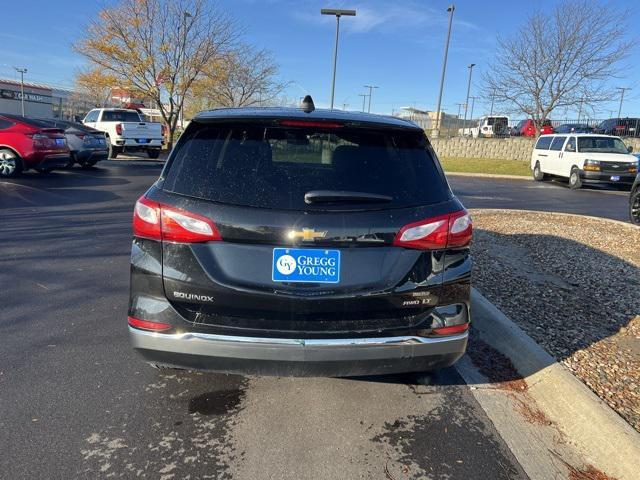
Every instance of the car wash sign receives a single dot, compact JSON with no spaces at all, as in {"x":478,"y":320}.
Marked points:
{"x":28,"y":97}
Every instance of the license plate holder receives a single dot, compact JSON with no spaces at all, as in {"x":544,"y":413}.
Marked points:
{"x":305,"y":265}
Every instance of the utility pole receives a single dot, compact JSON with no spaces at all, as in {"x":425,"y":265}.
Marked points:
{"x":370,"y":87}
{"x":580,"y":109}
{"x":338,"y":14}
{"x":21,"y":71}
{"x":473,"y":103}
{"x":622,"y":90}
{"x":436,"y":131}
{"x":458,"y":117}
{"x":466,"y":106}
{"x":364,"y":98}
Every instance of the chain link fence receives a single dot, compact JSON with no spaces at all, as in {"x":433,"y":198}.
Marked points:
{"x":485,"y":127}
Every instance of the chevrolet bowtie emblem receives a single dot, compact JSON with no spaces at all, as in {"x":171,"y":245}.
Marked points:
{"x":306,"y":234}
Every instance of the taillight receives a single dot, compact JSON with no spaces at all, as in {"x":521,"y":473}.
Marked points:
{"x":449,"y":230}
{"x":148,"y":325}
{"x":162,"y":222}
{"x":119,"y":128}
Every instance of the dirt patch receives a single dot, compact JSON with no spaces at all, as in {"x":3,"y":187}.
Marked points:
{"x":494,"y":365}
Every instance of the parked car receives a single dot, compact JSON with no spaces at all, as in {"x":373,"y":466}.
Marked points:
{"x":125,"y":130}
{"x":584,"y":158}
{"x":88,"y":146}
{"x":622,"y":127}
{"x":634,"y":201}
{"x":26,"y":143}
{"x":300,"y":242}
{"x":573,"y":128}
{"x":487,"y":127}
{"x":527,"y":128}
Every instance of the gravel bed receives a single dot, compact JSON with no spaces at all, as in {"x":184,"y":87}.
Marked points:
{"x":572,"y":283}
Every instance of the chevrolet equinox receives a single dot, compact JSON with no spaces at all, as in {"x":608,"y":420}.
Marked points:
{"x":308,"y":242}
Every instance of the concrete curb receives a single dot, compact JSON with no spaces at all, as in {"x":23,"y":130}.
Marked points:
{"x":486,"y":175}
{"x":603,"y":437}
{"x":633,"y":228}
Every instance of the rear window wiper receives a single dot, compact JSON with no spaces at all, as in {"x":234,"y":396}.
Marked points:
{"x":341,"y":196}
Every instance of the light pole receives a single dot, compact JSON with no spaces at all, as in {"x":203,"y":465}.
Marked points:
{"x":370,"y":87}
{"x":364,"y":98}
{"x":338,"y":14}
{"x":450,"y":9}
{"x":21,"y":71}
{"x":622,"y":90}
{"x":466,"y":106}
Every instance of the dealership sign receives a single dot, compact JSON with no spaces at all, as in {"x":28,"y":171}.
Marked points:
{"x":28,"y":97}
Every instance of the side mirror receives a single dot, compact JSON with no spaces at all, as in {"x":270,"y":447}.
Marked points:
{"x":629,"y":149}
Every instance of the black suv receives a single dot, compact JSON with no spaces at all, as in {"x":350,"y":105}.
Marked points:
{"x":300,"y":242}
{"x":622,"y":127}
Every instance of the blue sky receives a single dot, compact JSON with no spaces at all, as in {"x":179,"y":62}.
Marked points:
{"x":397,"y":45}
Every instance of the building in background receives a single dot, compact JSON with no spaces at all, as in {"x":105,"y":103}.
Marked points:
{"x":41,"y":100}
{"x":426,"y":119}
{"x":37,"y":98}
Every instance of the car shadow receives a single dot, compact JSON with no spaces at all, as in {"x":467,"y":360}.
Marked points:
{"x":71,"y":186}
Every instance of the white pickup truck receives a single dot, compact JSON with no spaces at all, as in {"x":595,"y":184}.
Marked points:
{"x":126,"y":130}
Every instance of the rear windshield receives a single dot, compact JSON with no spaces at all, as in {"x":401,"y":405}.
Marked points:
{"x":120,"y":116}
{"x":273,"y":167}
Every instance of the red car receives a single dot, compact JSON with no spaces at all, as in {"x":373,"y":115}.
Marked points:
{"x":526,"y":128}
{"x":28,"y":143}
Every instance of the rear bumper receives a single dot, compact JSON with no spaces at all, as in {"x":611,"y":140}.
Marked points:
{"x":134,"y":143}
{"x":91,"y":155}
{"x":599,"y":177}
{"x":292,"y":357}
{"x":54,"y":161}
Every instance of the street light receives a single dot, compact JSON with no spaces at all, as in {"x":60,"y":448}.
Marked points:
{"x":21,"y":71}
{"x":370,"y":87}
{"x":470,"y":67}
{"x":622,"y":90}
{"x":338,"y":13}
{"x":364,"y":98}
{"x":450,"y":9}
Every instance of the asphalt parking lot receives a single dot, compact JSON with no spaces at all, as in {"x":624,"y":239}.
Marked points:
{"x":78,"y":402}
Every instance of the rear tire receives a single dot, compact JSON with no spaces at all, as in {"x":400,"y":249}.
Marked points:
{"x":153,"y":153}
{"x":634,"y":207}
{"x":114,"y":151}
{"x":10,"y":163}
{"x":575,"y":182}
{"x":538,"y":174}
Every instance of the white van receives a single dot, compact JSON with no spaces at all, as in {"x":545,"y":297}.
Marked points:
{"x":584,"y":158}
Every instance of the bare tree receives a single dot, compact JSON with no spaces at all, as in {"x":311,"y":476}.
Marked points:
{"x":247,"y":77}
{"x":158,"y":47}
{"x":560,"y":59}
